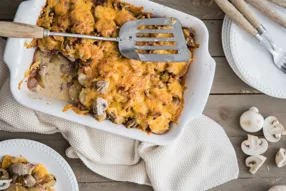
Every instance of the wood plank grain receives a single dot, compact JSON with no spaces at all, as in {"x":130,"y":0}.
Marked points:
{"x":113,"y":186}
{"x":227,"y":82}
{"x":83,"y":174}
{"x":215,"y":44}
{"x":226,"y":110}
{"x":252,"y":184}
{"x":268,"y":169}
{"x":8,"y":9}
{"x":204,"y":9}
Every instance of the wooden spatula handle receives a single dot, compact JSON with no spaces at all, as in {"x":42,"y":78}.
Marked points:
{"x":236,"y":16}
{"x":242,"y":6}
{"x":268,"y":11}
{"x":281,"y":3}
{"x":20,"y":30}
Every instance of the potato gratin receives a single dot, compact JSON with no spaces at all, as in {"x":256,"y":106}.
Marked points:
{"x":17,"y":174}
{"x":97,"y":79}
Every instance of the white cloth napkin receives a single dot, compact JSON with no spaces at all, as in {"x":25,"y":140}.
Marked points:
{"x":200,"y":159}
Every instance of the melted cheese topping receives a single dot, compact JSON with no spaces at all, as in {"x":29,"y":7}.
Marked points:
{"x":151,"y":93}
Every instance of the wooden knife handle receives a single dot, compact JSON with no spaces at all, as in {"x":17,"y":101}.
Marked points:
{"x":281,"y":3}
{"x":268,"y":11}
{"x":20,"y":30}
{"x":242,"y":6}
{"x":236,"y":16}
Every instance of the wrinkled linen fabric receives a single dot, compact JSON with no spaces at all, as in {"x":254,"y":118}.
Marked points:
{"x":200,"y":159}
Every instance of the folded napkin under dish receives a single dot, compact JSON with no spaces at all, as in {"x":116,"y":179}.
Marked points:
{"x":200,"y":159}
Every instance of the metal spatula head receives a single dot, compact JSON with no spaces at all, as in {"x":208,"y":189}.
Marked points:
{"x":131,"y":38}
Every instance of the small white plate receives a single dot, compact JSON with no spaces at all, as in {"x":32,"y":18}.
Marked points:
{"x":36,"y":153}
{"x":253,"y":62}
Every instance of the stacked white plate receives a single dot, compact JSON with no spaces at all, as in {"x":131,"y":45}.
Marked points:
{"x":251,"y":62}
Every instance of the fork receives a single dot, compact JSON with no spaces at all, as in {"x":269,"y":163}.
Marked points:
{"x":254,"y":28}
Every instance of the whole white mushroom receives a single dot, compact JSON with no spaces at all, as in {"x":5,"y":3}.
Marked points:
{"x":278,"y":188}
{"x":251,"y":120}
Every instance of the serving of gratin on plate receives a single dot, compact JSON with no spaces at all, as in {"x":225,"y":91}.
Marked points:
{"x":91,"y":83}
{"x":95,"y":78}
{"x":18,"y":174}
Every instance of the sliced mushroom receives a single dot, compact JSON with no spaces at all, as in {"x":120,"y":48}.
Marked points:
{"x":278,"y":188}
{"x":82,"y":96}
{"x":21,"y":169}
{"x":29,"y":180}
{"x":5,"y":184}
{"x":255,"y":162}
{"x":99,"y":106}
{"x":112,"y":116}
{"x":3,"y":174}
{"x":251,"y":120}
{"x":102,"y":86}
{"x":272,"y":129}
{"x":254,"y":146}
{"x":280,"y":158}
{"x":74,"y":91}
{"x":82,"y":78}
{"x":132,"y":123}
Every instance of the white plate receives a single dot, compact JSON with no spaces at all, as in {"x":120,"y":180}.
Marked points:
{"x":37,"y":153}
{"x":226,"y":46}
{"x":253,"y":62}
{"x":18,"y":59}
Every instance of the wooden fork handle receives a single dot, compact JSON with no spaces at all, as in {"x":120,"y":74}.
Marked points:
{"x":236,"y":16}
{"x":281,"y":3}
{"x":242,"y":6}
{"x":20,"y":30}
{"x":262,"y":6}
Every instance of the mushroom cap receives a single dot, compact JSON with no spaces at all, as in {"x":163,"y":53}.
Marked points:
{"x":20,"y":169}
{"x":254,"y":162}
{"x":251,"y":120}
{"x":272,"y":129}
{"x":254,"y":146}
{"x":278,"y":188}
{"x":4,"y":184}
{"x":280,"y":158}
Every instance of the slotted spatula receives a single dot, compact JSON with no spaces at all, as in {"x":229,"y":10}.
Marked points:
{"x":127,"y":39}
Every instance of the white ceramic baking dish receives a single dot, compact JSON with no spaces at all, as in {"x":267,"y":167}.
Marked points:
{"x":198,"y":82}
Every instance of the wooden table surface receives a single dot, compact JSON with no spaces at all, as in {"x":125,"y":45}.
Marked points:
{"x":229,"y":98}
